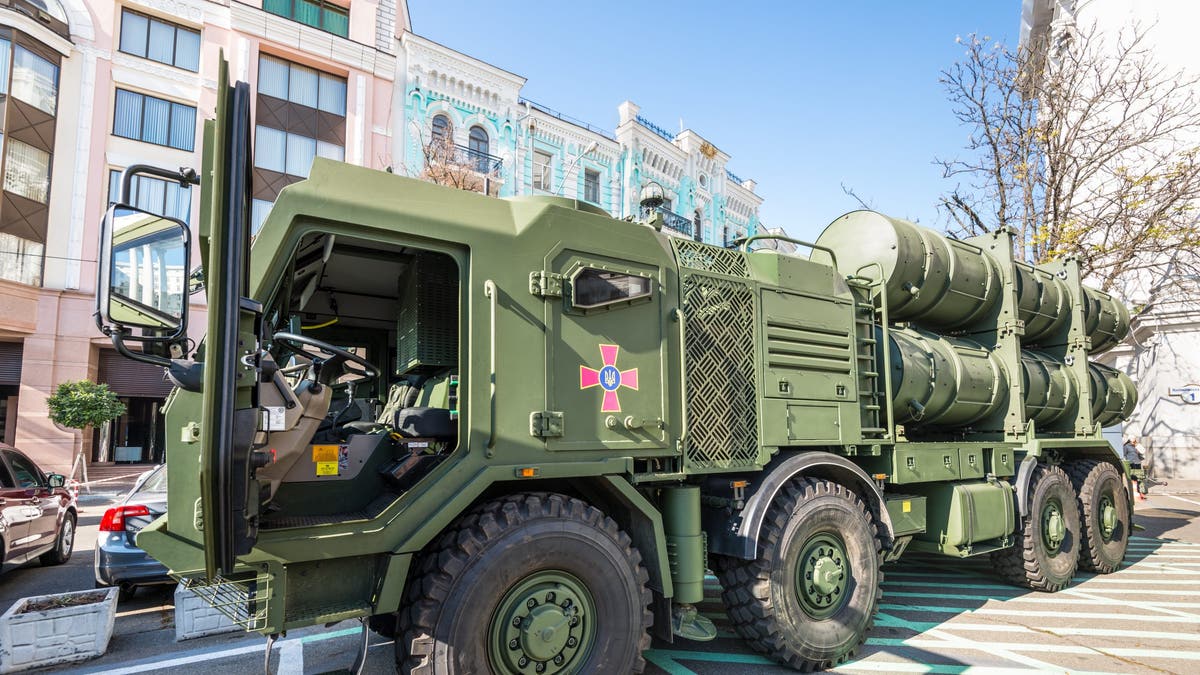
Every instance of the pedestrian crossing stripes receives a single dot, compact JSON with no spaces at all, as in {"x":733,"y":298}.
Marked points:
{"x":940,"y":616}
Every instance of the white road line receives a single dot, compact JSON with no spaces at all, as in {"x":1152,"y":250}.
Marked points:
{"x":1046,"y":600}
{"x":184,"y":660}
{"x":984,"y":586}
{"x":1162,"y":607}
{"x":1190,"y":501}
{"x":1170,"y":582}
{"x":966,"y":643}
{"x":965,"y":611}
{"x":1056,"y":648}
{"x":291,"y":658}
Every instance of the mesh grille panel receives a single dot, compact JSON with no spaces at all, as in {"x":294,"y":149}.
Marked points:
{"x":719,"y":345}
{"x":699,"y":256}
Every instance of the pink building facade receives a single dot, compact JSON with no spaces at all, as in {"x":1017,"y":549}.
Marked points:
{"x":88,"y":88}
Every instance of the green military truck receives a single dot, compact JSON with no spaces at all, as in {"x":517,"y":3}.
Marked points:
{"x":516,"y":433}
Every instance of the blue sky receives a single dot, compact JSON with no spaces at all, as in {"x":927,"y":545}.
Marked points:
{"x":805,"y":96}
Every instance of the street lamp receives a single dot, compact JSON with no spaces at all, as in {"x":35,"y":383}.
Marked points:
{"x":566,"y":172}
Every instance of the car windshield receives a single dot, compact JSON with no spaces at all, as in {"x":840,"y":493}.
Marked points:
{"x":155,"y":482}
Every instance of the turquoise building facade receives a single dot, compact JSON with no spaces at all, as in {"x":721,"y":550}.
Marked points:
{"x":459,"y":114}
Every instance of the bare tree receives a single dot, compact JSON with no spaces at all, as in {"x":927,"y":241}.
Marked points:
{"x":448,"y":164}
{"x":1085,"y":146}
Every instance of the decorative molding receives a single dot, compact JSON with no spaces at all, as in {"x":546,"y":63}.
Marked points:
{"x":80,"y":182}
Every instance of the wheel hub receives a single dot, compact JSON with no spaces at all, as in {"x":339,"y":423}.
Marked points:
{"x":1108,"y":517}
{"x":1054,"y":528}
{"x":822,"y":576}
{"x":544,"y":624}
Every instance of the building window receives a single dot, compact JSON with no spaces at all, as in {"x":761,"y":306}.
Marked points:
{"x":591,"y":186}
{"x":34,"y":79}
{"x":316,"y":13}
{"x":440,"y":130}
{"x":164,"y":197}
{"x":477,"y":149}
{"x":259,"y":209}
{"x":301,"y":85}
{"x":160,"y":41}
{"x":284,"y":152}
{"x":541,"y":170}
{"x":27,"y":171}
{"x":154,"y":120}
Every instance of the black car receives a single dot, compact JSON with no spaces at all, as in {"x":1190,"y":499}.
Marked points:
{"x":37,"y":514}
{"x":119,"y":562}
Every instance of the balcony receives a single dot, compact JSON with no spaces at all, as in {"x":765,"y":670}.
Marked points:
{"x":676,"y":223}
{"x":461,"y":155}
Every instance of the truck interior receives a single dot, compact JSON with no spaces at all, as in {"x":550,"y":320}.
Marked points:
{"x":350,"y":429}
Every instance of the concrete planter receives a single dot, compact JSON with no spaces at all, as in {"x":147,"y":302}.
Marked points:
{"x":46,"y":637}
{"x":195,"y":618}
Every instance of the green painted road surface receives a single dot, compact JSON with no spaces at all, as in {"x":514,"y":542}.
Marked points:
{"x":937,"y":616}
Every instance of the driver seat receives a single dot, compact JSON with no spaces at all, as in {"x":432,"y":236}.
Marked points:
{"x":300,"y":422}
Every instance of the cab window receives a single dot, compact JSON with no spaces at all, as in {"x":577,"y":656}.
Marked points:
{"x":599,"y":288}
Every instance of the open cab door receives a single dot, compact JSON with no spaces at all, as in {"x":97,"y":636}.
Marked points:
{"x":144,"y":287}
{"x":229,"y":500}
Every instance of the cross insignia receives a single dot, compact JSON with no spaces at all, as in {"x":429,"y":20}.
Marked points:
{"x":609,"y":378}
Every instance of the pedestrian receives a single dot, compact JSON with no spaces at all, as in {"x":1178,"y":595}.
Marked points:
{"x":1133,"y":452}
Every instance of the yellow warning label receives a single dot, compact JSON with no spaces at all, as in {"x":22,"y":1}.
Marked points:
{"x":327,"y":468}
{"x":905,"y":506}
{"x":325,"y":453}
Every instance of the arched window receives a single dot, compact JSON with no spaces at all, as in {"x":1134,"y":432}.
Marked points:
{"x":477,"y":146}
{"x":441,"y":128}
{"x":697,"y":233}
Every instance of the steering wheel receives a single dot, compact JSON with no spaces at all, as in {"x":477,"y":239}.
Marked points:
{"x":324,"y":355}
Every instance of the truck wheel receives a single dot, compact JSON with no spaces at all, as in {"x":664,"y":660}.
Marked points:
{"x":811,"y":596}
{"x":1046,"y":553}
{"x":532,"y":584}
{"x":1104,"y":515}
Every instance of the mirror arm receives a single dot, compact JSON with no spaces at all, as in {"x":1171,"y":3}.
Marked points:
{"x":184,"y":176}
{"x":118,"y":335}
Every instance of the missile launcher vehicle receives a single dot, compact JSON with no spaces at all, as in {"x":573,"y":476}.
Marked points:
{"x":515,"y":434}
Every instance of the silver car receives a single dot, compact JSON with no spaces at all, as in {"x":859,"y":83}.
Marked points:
{"x":119,"y":562}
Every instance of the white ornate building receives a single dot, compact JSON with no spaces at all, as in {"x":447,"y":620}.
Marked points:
{"x":1162,"y":354}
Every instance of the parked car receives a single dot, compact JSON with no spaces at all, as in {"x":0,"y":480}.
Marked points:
{"x":119,"y":562}
{"x":37,"y":514}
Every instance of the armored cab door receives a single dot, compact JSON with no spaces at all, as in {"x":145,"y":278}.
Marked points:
{"x":606,"y":354}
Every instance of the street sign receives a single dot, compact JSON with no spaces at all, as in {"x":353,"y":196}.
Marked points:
{"x":1189,"y":394}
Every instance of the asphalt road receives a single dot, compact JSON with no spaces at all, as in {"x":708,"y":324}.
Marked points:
{"x":937,"y":616}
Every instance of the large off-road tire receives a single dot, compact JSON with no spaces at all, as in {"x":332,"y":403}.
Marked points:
{"x":64,"y":543}
{"x":1046,"y":554}
{"x":810,"y":597}
{"x":531,"y":583}
{"x":1104,"y":511}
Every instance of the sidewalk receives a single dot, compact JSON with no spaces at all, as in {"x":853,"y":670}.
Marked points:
{"x":1177,"y":487}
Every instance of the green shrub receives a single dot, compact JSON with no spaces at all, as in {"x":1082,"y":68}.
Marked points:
{"x":77,"y":405}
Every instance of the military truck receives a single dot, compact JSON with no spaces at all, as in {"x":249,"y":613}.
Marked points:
{"x":516,"y":433}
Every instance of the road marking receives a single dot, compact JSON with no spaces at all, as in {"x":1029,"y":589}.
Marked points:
{"x":291,"y":657}
{"x":889,"y":621}
{"x":940,"y":609}
{"x":1043,"y":600}
{"x":203,"y":654}
{"x":1023,"y":647}
{"x":996,"y":651}
{"x":942,"y":584}
{"x":1183,"y":499}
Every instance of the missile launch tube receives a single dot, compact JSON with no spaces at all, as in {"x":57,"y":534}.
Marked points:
{"x":950,"y":382}
{"x":944,"y":284}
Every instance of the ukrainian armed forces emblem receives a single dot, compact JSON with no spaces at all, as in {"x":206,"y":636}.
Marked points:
{"x":609,"y":378}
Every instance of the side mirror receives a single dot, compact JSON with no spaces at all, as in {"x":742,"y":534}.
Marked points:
{"x":56,"y":480}
{"x":144,"y":271}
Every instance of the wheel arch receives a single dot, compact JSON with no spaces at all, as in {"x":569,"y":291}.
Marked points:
{"x":1103,"y":453}
{"x":737,"y":534}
